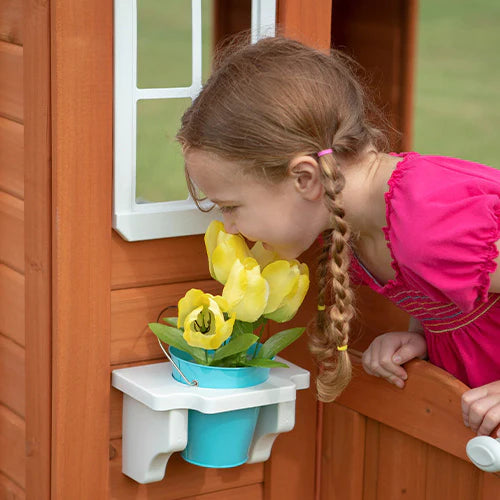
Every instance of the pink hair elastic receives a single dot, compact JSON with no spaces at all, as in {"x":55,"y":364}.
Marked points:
{"x":325,"y":152}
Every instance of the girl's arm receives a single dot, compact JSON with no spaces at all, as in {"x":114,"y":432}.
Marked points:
{"x":481,"y":408}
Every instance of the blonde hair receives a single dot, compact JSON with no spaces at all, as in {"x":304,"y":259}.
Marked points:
{"x":265,"y":104}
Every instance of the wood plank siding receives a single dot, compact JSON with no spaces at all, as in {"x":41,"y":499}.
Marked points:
{"x":12,"y":280}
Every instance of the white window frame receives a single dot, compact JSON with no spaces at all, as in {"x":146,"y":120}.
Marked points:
{"x":145,"y":221}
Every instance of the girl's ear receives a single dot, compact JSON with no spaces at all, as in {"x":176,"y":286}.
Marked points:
{"x":304,"y":171}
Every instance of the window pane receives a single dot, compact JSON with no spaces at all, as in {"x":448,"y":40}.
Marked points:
{"x":160,"y":166}
{"x":163,"y":43}
{"x":207,"y":34}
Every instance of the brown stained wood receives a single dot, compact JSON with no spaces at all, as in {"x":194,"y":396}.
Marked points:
{"x":181,"y":479}
{"x":131,"y":311}
{"x":489,"y":486}
{"x":38,"y":246}
{"x":449,"y":478}
{"x":381,"y":37}
{"x":371,"y":463}
{"x":153,"y":262}
{"x":82,"y":146}
{"x":298,"y":19}
{"x":291,"y":471}
{"x":251,"y":492}
{"x":230,"y":17}
{"x":12,"y":231}
{"x":12,"y":376}
{"x":11,"y":21}
{"x":401,"y":466}
{"x":376,"y":315}
{"x":11,"y":157}
{"x":343,"y":453}
{"x":428,"y":408}
{"x":12,"y":304}
{"x":11,"y":82}
{"x":12,"y":435}
{"x":10,"y":490}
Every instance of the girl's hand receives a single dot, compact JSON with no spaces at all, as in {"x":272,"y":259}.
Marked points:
{"x":388,"y":351}
{"x":481,"y":408}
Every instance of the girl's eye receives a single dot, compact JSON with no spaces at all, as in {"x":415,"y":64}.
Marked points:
{"x":228,"y":210}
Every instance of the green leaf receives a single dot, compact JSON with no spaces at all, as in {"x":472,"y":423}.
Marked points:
{"x":241,"y":328}
{"x":265,"y":363}
{"x":173,"y":336}
{"x":278,"y":342}
{"x":171,"y":321}
{"x":235,"y":346}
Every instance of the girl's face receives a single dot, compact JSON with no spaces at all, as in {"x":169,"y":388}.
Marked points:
{"x":284,"y":216}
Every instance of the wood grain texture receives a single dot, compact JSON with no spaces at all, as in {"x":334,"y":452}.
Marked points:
{"x":12,"y":304}
{"x":131,"y":311}
{"x":382,"y":40}
{"x":427,"y":409}
{"x":312,"y":26}
{"x":12,"y":231}
{"x":10,"y":490}
{"x":154,"y":262}
{"x":372,"y":450}
{"x":251,"y":492}
{"x":402,"y":466}
{"x":11,"y":83}
{"x":38,"y":247}
{"x":344,"y":433}
{"x":82,"y":146}
{"x":11,"y":157}
{"x":11,"y":21}
{"x":12,"y":376}
{"x":449,"y":478}
{"x":489,"y":486}
{"x":12,"y":435}
{"x":181,"y":479}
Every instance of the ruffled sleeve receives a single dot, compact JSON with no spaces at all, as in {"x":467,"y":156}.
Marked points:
{"x":442,"y":226}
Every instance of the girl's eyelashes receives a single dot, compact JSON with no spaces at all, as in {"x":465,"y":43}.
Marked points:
{"x":228,"y":209}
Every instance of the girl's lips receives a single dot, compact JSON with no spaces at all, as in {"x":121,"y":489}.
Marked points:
{"x":267,"y":246}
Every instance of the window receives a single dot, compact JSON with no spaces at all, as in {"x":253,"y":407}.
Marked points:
{"x":162,"y":57}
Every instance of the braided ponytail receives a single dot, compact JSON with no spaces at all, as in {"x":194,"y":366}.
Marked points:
{"x":332,"y":324}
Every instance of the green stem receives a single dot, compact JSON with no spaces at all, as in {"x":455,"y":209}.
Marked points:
{"x":206,"y":357}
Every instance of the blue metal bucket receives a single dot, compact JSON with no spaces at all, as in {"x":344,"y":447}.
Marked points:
{"x":218,"y":440}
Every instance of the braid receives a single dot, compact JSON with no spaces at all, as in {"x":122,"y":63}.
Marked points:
{"x":333,"y":323}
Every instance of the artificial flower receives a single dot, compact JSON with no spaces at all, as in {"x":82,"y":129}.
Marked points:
{"x":202,"y":317}
{"x":246,"y":291}
{"x":288,"y":285}
{"x":223,"y":249}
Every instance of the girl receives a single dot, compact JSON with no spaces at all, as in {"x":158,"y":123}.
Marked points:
{"x":280,"y":139}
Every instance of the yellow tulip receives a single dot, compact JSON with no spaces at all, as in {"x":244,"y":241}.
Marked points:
{"x":288,"y":285}
{"x":246,"y":291}
{"x":202,"y":316}
{"x":263,"y":256}
{"x":223,"y":250}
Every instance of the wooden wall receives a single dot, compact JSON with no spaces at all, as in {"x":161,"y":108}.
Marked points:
{"x":12,"y":327}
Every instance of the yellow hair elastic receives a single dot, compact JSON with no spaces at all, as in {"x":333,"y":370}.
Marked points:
{"x":342,"y":348}
{"x":321,"y":308}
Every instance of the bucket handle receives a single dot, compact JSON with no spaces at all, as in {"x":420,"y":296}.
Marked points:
{"x":193,"y":382}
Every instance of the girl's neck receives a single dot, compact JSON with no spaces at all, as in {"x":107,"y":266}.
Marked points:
{"x":363,"y":194}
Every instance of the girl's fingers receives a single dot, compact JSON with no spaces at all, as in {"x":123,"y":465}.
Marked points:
{"x":470,"y":397}
{"x":484,"y":414}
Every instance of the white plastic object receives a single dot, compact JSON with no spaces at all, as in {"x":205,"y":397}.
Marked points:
{"x":484,"y":453}
{"x":155,"y":413}
{"x":144,"y":221}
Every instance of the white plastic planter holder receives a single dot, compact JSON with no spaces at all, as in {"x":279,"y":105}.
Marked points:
{"x":155,"y":413}
{"x":484,"y":453}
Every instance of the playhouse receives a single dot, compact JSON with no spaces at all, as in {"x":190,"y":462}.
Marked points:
{"x":86,"y":262}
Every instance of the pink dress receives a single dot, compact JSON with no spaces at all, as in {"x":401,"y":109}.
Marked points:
{"x":442,"y":224}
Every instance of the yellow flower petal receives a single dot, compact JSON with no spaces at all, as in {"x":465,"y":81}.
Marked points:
{"x":230,"y":247}
{"x":246,"y":291}
{"x":292,"y":302}
{"x":191,"y":300}
{"x":263,"y":256}
{"x":213,"y":230}
{"x":282,"y":277}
